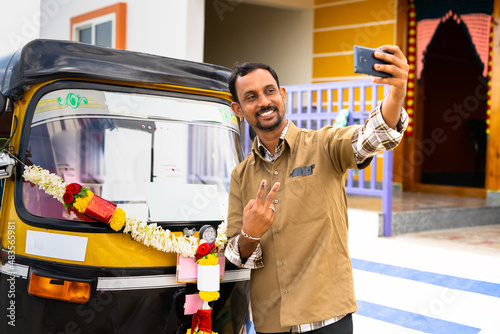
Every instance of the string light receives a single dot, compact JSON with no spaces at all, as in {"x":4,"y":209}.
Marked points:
{"x":410,"y":97}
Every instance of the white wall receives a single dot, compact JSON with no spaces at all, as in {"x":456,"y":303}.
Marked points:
{"x":19,"y":24}
{"x":173,"y":28}
{"x":281,"y":38}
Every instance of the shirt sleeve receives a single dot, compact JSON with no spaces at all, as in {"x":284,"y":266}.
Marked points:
{"x":375,"y":135}
{"x":232,"y":253}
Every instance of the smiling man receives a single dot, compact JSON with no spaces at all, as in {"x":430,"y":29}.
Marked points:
{"x":287,"y":216}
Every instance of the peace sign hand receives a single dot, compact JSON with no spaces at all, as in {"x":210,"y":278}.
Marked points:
{"x":258,"y":215}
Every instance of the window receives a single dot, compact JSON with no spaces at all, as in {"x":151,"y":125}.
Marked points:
{"x":162,"y":159}
{"x":97,"y":32}
{"x":104,"y":27}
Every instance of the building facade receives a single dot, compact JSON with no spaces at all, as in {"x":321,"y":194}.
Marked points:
{"x":453,"y":143}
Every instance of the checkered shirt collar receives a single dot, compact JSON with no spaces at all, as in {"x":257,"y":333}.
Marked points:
{"x":279,"y":146}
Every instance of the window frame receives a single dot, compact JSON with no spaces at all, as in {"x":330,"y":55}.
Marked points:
{"x":116,"y":13}
{"x":92,"y":23}
{"x":76,"y":226}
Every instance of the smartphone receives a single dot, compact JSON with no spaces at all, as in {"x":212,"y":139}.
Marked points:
{"x":364,"y":61}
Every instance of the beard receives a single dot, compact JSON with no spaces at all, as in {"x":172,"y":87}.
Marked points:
{"x":271,"y":125}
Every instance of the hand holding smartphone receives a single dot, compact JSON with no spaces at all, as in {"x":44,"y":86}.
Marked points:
{"x":364,"y":62}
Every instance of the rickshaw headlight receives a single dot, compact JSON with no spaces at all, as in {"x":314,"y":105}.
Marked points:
{"x":54,"y":288}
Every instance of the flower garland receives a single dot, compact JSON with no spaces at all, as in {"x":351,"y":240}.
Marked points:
{"x":50,"y":183}
{"x":208,"y":284}
{"x":197,"y":331}
{"x":160,"y":239}
{"x":78,"y":197}
{"x":206,"y":255}
{"x":84,"y":201}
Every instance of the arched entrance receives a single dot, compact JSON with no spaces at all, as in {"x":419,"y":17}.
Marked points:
{"x":453,"y":138}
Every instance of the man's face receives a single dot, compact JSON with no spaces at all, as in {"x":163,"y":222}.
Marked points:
{"x":262,"y":103}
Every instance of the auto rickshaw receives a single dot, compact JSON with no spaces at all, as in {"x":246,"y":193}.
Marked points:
{"x":153,"y":136}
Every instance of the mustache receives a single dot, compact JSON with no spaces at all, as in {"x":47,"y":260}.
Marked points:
{"x":266,"y":109}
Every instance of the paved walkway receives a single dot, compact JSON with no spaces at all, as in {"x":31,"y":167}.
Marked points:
{"x":432,"y":282}
{"x":482,"y":239}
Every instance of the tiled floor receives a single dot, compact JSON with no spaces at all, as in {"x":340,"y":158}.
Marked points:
{"x":415,"y":285}
{"x":415,"y":273}
{"x":484,"y":239}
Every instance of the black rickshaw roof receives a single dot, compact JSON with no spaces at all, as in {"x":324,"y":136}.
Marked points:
{"x":42,"y":60}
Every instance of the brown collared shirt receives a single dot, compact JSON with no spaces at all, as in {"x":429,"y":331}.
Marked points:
{"x":307,"y":276}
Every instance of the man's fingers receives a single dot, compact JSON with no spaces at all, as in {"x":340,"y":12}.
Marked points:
{"x":395,"y":71}
{"x":395,"y":56}
{"x":259,"y":200}
{"x":258,"y":214}
{"x":398,"y":66}
{"x":272,"y":194}
{"x":250,"y":205}
{"x":395,"y":52}
{"x":261,"y":191}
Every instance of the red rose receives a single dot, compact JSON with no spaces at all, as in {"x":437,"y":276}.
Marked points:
{"x":73,"y":188}
{"x":68,"y":198}
{"x":203,"y":249}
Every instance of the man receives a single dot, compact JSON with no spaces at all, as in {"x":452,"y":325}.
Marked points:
{"x":295,"y":239}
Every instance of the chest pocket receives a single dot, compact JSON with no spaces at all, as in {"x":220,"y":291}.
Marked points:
{"x":304,"y":195}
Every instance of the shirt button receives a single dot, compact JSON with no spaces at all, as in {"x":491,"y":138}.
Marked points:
{"x":286,"y":291}
{"x":275,"y":172}
{"x":276,"y":231}
{"x":280,"y":264}
{"x":276,"y":201}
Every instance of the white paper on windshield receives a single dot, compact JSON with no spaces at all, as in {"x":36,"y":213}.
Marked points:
{"x":183,"y":202}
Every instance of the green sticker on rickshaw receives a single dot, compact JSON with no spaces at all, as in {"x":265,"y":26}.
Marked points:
{"x":72,"y":100}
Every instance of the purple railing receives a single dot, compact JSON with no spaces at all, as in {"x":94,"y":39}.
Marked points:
{"x":313,"y":106}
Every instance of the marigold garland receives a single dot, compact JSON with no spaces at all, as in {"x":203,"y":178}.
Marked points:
{"x":117,"y":219}
{"x":209,"y":296}
{"x":147,"y":234}
{"x":197,"y":332}
{"x":81,"y":203}
{"x":206,"y":255}
{"x":208,"y":260}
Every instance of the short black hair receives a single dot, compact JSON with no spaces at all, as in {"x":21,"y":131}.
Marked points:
{"x":240,"y":70}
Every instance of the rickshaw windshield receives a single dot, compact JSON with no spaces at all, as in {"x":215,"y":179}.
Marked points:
{"x":159,"y":158}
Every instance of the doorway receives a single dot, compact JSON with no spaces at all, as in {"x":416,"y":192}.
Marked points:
{"x":453,"y":137}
